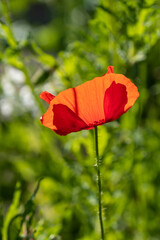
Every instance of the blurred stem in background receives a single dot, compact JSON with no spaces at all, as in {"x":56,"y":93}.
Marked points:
{"x":29,"y":83}
{"x":14,"y":44}
{"x":99,"y":182}
{"x":6,"y":12}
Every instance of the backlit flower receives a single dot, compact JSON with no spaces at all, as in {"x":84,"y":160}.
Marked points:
{"x":90,"y":104}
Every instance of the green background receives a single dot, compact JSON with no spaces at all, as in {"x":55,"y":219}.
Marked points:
{"x":53,"y":45}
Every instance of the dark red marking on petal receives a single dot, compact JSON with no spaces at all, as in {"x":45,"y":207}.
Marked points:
{"x":75,"y":101}
{"x":110,"y":69}
{"x":115,"y":100}
{"x":66,"y":121}
{"x":96,"y":123}
{"x":46,"y":96}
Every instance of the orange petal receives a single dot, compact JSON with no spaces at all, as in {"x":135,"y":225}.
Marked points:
{"x":95,"y":102}
{"x":46,"y":96}
{"x":132,"y":91}
{"x":66,"y":121}
{"x":110,"y":69}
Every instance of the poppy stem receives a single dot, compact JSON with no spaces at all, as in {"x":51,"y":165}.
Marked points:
{"x":99,"y":183}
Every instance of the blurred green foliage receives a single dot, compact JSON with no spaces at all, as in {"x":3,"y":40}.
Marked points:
{"x":55,"y":44}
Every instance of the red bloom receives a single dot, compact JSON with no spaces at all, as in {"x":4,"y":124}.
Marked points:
{"x":92,"y":103}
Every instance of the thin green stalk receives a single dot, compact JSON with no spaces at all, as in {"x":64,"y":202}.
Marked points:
{"x":99,"y":183}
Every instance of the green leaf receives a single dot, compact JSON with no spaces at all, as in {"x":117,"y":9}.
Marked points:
{"x":36,"y":188}
{"x":29,"y":206}
{"x":7,"y":34}
{"x":14,"y":227}
{"x":1,"y":223}
{"x":109,"y":11}
{"x":13,"y":210}
{"x":11,"y":57}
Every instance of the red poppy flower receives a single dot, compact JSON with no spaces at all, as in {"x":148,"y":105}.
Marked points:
{"x":90,"y":104}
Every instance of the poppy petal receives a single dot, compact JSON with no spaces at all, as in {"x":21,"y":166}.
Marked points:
{"x":132,"y":91}
{"x":46,"y":96}
{"x":66,"y":121}
{"x":92,"y":103}
{"x":115,"y":100}
{"x":85,"y":100}
{"x":62,"y":120}
{"x":110,"y":69}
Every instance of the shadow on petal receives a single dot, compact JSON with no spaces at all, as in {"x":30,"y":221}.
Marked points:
{"x":66,"y":121}
{"x":115,"y":100}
